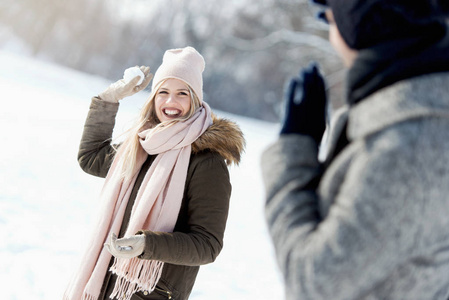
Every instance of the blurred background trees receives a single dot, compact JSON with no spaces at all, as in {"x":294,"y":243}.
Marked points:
{"x":251,"y":47}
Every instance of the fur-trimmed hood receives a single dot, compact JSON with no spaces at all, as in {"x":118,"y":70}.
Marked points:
{"x":223,"y":137}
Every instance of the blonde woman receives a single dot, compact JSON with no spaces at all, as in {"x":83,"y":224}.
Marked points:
{"x":167,"y":189}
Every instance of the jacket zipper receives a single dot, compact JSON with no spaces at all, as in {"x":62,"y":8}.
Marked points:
{"x":164,"y":291}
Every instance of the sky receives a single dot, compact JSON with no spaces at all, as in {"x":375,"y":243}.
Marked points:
{"x":48,"y":204}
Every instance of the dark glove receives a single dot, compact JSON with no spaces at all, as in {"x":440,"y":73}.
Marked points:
{"x":305,"y":100}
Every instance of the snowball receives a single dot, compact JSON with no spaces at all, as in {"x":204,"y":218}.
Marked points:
{"x":131,"y":73}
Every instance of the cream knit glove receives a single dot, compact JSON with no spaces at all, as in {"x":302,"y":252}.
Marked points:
{"x":128,"y":247}
{"x":121,"y":89}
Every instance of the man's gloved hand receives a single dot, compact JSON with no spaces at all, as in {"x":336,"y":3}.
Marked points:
{"x":121,"y":89}
{"x":126,"y":247}
{"x":305,"y":100}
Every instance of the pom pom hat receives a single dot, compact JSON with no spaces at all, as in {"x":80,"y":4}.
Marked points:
{"x":185,"y":64}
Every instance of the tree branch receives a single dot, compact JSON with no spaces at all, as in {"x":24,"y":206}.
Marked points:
{"x":283,"y":35}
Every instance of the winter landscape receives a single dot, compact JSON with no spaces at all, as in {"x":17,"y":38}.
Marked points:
{"x":47,"y":203}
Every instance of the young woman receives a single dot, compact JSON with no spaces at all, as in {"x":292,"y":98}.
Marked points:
{"x":167,"y":187}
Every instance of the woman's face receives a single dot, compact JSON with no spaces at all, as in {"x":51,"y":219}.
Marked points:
{"x":172,"y":100}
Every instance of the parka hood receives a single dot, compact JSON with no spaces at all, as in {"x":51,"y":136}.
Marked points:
{"x":223,"y":137}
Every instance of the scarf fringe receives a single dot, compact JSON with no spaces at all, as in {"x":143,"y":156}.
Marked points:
{"x":135,"y":275}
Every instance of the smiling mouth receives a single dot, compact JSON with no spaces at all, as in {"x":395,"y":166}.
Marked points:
{"x":171,"y":112}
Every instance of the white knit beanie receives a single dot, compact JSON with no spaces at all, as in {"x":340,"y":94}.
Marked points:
{"x":185,"y":64}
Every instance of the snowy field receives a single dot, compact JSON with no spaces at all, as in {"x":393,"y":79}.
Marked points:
{"x":47,"y":203}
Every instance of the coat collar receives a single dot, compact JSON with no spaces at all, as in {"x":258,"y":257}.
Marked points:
{"x":422,"y":96}
{"x":223,"y":137}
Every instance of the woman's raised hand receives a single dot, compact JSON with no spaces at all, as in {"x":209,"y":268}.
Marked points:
{"x":121,"y":88}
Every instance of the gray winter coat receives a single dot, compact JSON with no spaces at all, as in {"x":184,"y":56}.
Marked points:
{"x":377,"y":226}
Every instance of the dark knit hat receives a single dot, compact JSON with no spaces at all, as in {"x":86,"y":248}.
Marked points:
{"x":367,"y":23}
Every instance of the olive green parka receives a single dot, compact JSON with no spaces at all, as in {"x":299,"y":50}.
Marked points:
{"x":198,"y":235}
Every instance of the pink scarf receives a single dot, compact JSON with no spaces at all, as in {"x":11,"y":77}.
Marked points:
{"x":156,"y":208}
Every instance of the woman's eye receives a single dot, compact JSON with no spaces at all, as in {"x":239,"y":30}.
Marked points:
{"x":183,"y":94}
{"x":163,"y":92}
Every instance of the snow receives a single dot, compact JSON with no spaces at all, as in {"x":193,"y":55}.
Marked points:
{"x":47,"y":203}
{"x":133,"y":72}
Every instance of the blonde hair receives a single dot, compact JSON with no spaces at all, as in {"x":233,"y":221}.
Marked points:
{"x":146,"y":120}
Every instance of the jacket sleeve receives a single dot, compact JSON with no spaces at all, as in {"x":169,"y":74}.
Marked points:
{"x":368,"y":231}
{"x":96,"y":153}
{"x":208,"y":191}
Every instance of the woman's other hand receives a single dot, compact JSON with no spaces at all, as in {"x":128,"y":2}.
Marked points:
{"x":128,"y":247}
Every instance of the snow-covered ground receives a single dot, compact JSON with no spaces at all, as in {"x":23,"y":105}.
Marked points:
{"x":47,"y":203}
